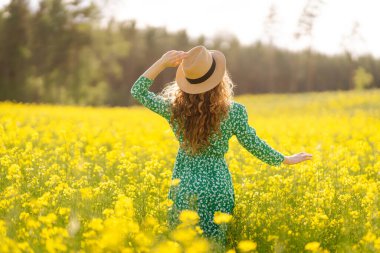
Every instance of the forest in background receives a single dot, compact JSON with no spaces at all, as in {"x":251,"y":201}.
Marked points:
{"x":60,"y":53}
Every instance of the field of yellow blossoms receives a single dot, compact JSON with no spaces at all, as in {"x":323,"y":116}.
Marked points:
{"x":84,"y":179}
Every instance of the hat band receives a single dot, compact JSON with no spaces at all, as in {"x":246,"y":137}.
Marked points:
{"x":205,"y":76}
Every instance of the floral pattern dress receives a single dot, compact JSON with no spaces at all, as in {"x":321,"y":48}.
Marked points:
{"x":205,"y":181}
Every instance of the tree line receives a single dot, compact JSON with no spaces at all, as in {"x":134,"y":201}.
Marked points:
{"x":59,"y":53}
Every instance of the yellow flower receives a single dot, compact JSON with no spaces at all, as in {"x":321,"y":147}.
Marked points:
{"x":220,"y":217}
{"x":189,"y":217}
{"x":175,"y":182}
{"x":272,"y":237}
{"x":112,"y":234}
{"x":167,"y":202}
{"x":108,"y":212}
{"x":151,"y":221}
{"x":86,"y":193}
{"x":48,"y":219}
{"x":32,"y":223}
{"x":96,"y":224}
{"x":24,"y":216}
{"x":127,"y":250}
{"x":198,"y":246}
{"x":313,"y":246}
{"x":14,"y":172}
{"x":167,"y":246}
{"x":369,"y":237}
{"x":55,"y":245}
{"x":184,"y":235}
{"x":199,"y":229}
{"x":354,"y":214}
{"x":143,"y":239}
{"x":63,"y":211}
{"x":3,"y":228}
{"x":377,"y":243}
{"x":246,"y":245}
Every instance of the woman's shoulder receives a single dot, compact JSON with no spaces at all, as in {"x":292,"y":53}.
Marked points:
{"x":237,"y":108}
{"x":236,"y":104}
{"x":238,"y":114}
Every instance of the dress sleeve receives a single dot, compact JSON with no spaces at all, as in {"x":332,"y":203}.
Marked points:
{"x":156,"y":103}
{"x":247,"y":137}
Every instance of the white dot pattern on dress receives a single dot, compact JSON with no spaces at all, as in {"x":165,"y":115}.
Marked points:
{"x":206,"y":183}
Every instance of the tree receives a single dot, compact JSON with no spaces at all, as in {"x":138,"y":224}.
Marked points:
{"x":349,"y":47}
{"x":60,"y":31}
{"x":362,"y":78}
{"x":270,"y":24}
{"x":14,"y":50}
{"x":305,"y":30}
{"x":269,"y":34}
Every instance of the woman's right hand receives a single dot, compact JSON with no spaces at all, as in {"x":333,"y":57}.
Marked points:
{"x":172,"y":58}
{"x":297,"y":158}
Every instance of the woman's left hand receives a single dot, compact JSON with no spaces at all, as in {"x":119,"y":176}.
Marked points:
{"x":297,"y":158}
{"x":172,"y":58}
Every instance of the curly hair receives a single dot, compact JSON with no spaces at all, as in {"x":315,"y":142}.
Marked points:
{"x":198,"y":116}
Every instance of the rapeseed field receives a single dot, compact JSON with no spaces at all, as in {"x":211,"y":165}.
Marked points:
{"x":86,"y":179}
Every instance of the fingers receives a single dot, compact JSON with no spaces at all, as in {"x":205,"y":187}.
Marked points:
{"x":180,"y":55}
{"x":303,"y":156}
{"x":306,"y":156}
{"x":177,"y":55}
{"x":173,"y":58}
{"x":297,"y":158}
{"x":175,"y":52}
{"x":172,"y":54}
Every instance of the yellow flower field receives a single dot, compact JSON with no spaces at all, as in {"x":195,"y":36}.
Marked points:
{"x":84,"y":179}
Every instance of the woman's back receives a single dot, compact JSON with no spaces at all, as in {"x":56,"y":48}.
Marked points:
{"x":219,"y":144}
{"x":236,"y":123}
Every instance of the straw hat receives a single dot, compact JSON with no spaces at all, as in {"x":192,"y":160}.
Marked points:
{"x":201,"y":70}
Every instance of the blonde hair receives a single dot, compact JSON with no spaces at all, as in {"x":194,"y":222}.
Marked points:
{"x":198,"y":116}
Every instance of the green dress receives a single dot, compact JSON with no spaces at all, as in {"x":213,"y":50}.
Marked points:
{"x":205,"y":181}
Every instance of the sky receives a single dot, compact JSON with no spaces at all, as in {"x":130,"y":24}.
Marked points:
{"x":245,"y":19}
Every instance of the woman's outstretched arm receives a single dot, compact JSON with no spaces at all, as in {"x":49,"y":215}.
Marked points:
{"x":140,"y":89}
{"x":248,"y":138}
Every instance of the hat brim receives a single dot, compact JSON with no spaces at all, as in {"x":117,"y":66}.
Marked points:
{"x":210,"y":83}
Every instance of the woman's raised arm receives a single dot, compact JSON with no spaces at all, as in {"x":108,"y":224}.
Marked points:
{"x":140,"y":89}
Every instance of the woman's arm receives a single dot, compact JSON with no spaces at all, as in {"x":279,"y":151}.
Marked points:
{"x":140,"y":89}
{"x":247,"y":137}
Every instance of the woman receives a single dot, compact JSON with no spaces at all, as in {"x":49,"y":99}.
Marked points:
{"x":200,"y":110}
